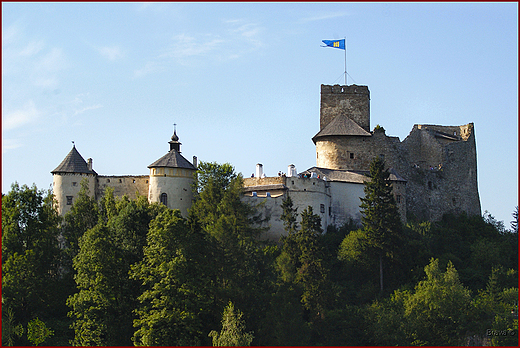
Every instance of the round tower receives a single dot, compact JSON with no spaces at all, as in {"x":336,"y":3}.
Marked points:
{"x":342,"y":141}
{"x":67,"y":177}
{"x":171,"y":179}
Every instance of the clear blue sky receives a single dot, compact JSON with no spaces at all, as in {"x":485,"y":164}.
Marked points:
{"x":242,"y":82}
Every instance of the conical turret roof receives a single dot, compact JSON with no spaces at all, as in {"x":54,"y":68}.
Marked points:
{"x":172,"y":159}
{"x":341,"y":125}
{"x":73,"y":163}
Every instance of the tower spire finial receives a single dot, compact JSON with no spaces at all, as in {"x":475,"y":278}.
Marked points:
{"x":174,"y":143}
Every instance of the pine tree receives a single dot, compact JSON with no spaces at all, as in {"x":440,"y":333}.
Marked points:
{"x":380,"y":216}
{"x":233,"y":329}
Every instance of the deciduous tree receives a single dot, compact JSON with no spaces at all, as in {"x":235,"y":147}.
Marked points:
{"x":30,"y":252}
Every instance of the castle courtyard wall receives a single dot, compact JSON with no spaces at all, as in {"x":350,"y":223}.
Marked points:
{"x":129,"y":185}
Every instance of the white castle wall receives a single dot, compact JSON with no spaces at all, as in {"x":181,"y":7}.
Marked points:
{"x":345,"y":202}
{"x":68,"y":185}
{"x":304,"y":192}
{"x":176,"y":183}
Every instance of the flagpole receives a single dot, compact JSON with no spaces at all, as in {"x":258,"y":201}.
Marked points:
{"x":346,"y":61}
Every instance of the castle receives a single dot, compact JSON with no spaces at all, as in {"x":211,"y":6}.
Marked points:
{"x":433,"y":170}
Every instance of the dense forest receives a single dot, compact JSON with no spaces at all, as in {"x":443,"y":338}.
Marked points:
{"x":123,"y":272}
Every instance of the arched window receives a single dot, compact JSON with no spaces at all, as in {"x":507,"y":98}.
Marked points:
{"x":164,"y":199}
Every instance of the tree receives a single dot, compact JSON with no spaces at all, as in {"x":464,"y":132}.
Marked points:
{"x":288,"y":261}
{"x":239,"y":260}
{"x":177,"y":287}
{"x":10,"y":329}
{"x":103,"y":308}
{"x":233,"y":329}
{"x":82,"y":216}
{"x":311,"y":273}
{"x":30,"y":253}
{"x":38,"y":332}
{"x":380,"y":216}
{"x":439,"y":311}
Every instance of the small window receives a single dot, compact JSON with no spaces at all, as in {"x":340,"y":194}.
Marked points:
{"x":134,"y":181}
{"x":330,"y":211}
{"x":430,"y":185}
{"x":69,"y":200}
{"x":74,"y":183}
{"x":164,"y":199}
{"x":322,"y":208}
{"x":351,"y":155}
{"x":108,"y":180}
{"x":120,"y":181}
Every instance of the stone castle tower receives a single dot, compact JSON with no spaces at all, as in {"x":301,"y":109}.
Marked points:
{"x":438,"y":163}
{"x":66,"y":179}
{"x":171,"y":179}
{"x":169,"y":182}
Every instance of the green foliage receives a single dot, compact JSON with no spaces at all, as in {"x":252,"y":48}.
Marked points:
{"x":177,"y":286}
{"x":239,"y":263}
{"x":439,"y":311}
{"x":82,"y":216}
{"x":30,"y":252}
{"x":289,"y":216}
{"x":311,"y":273}
{"x":233,"y":329}
{"x":380,"y":238}
{"x":38,"y":332}
{"x":10,"y":329}
{"x":145,"y":275}
{"x":103,"y":308}
{"x":301,"y":261}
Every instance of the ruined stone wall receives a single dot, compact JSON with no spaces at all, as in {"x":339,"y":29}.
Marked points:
{"x":129,"y":185}
{"x":441,"y":172}
{"x":439,"y":163}
{"x":353,"y":101}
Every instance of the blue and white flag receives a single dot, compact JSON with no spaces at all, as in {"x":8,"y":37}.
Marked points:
{"x":334,"y":43}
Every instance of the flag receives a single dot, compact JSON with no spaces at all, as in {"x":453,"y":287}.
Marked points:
{"x":334,"y":43}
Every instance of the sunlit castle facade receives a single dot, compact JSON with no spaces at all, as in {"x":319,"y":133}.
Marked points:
{"x":433,"y":171}
{"x":169,"y":182}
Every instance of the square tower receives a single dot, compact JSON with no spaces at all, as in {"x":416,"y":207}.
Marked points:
{"x":352,"y":101}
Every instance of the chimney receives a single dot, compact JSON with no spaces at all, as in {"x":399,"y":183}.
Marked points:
{"x":291,"y":170}
{"x":259,"y":170}
{"x":89,"y":164}
{"x":195,"y":163}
